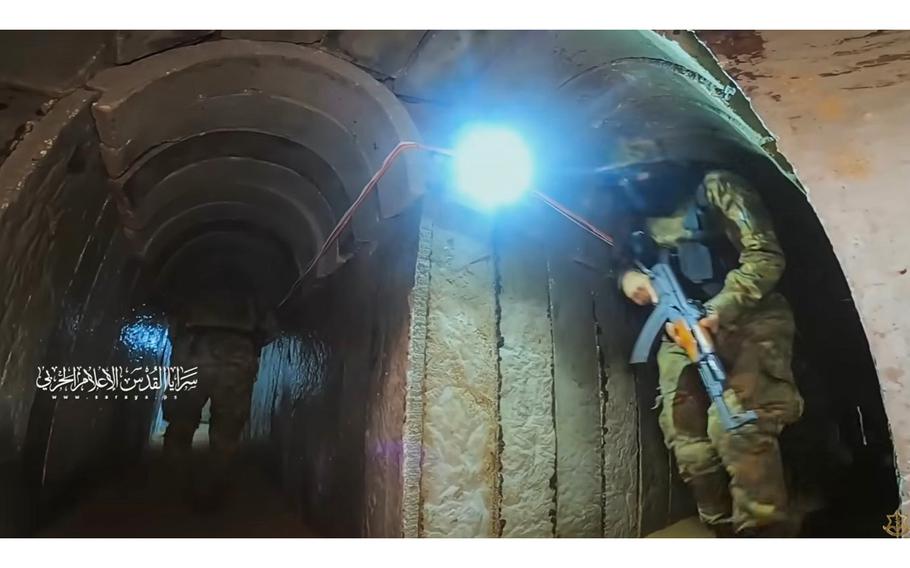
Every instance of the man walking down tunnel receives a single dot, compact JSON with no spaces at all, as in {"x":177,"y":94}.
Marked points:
{"x":220,"y":330}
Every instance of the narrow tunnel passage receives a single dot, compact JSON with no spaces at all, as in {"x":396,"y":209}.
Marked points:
{"x":222,"y":191}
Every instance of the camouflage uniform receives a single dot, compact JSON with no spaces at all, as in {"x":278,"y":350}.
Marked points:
{"x":735,"y":476}
{"x":218,"y":334}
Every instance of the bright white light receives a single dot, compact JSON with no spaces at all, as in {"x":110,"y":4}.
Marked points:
{"x":492,"y":166}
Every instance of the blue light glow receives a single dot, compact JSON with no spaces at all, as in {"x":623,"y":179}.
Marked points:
{"x":144,"y":337}
{"x":493,"y":166}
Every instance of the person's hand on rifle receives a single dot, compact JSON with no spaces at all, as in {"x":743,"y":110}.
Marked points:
{"x":638,"y":288}
{"x":709,"y":323}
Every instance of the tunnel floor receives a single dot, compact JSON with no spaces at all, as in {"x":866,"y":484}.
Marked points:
{"x":145,"y":502}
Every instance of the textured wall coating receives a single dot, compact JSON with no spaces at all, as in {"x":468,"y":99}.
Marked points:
{"x":838,"y":103}
{"x":579,"y":465}
{"x":620,"y":413}
{"x":412,"y":438}
{"x":566,"y":392}
{"x":460,"y":417}
{"x":526,"y":404}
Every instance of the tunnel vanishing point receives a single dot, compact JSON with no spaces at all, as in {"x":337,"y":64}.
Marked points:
{"x":444,"y":372}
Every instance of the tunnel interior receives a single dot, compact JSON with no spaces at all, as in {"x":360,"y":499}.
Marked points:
{"x":158,"y":190}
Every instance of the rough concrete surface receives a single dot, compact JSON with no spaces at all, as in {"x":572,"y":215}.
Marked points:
{"x":526,"y":397}
{"x":19,"y":110}
{"x":386,"y":404}
{"x":288,"y":36}
{"x":579,"y":461}
{"x":460,"y":470}
{"x":65,"y":276}
{"x":412,"y":436}
{"x":387,"y":52}
{"x":30,"y":191}
{"x":620,"y":411}
{"x":52,"y":62}
{"x":132,"y":45}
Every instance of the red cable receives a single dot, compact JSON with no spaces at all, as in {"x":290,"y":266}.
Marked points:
{"x":575,"y":218}
{"x":348,"y":215}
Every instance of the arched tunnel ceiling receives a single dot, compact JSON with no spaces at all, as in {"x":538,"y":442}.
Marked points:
{"x":276,"y":137}
{"x":302,"y":94}
{"x":278,"y":181}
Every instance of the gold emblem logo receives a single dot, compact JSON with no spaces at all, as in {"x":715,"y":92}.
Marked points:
{"x":898,"y":525}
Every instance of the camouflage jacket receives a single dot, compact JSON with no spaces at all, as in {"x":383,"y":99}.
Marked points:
{"x":747,"y":224}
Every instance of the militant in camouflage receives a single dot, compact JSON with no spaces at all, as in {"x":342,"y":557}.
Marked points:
{"x":736,"y":475}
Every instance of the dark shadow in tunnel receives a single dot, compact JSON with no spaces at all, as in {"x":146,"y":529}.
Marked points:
{"x":129,"y":478}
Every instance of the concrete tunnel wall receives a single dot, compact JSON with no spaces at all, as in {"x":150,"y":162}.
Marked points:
{"x":66,"y":298}
{"x":529,"y":423}
{"x":456,"y":419}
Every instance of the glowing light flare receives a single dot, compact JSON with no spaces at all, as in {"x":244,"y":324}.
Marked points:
{"x":493,"y":166}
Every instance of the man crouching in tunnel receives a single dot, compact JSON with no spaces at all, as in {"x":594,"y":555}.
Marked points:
{"x":220,"y":330}
{"x":722,"y":246}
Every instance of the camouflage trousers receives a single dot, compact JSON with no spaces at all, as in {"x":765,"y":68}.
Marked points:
{"x":227,"y":366}
{"x":736,"y":477}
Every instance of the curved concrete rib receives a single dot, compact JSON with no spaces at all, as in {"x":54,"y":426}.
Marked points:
{"x":144,"y":104}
